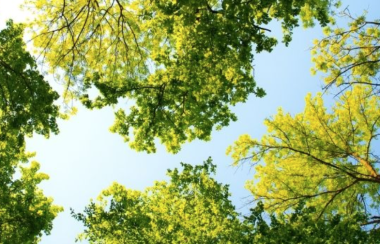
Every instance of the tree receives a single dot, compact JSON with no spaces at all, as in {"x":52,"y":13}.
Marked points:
{"x":326,"y":158}
{"x":25,"y":213}
{"x":26,"y":99}
{"x":350,"y":56}
{"x":183,"y":63}
{"x":26,"y":106}
{"x":299,"y":226}
{"x":191,"y":208}
{"x":194,"y":208}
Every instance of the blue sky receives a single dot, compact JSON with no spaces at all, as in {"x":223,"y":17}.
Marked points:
{"x":86,"y":158}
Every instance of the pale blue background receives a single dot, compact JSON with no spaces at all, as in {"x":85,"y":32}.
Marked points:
{"x":86,"y":158}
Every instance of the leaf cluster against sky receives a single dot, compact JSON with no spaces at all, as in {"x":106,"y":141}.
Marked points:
{"x":74,"y":88}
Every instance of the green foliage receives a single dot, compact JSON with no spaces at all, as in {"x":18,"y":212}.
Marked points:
{"x":191,"y":208}
{"x":349,"y":56}
{"x":324,"y":157}
{"x":194,"y":208}
{"x":183,"y":63}
{"x":26,"y":106}
{"x":300,"y":226}
{"x":26,"y":99}
{"x":25,"y":213}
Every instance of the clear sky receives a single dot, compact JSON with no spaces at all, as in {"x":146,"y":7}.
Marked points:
{"x":86,"y":158}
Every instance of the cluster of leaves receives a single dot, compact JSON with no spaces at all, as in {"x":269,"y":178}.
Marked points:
{"x":349,"y":56}
{"x":300,"y":226}
{"x":194,"y":208}
{"x":326,"y":157}
{"x":182,"y":62}
{"x":191,"y":208}
{"x":26,"y":99}
{"x":26,"y":106}
{"x":25,"y":212}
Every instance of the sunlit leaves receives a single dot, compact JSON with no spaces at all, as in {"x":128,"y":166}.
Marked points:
{"x":183,"y":63}
{"x":349,"y":56}
{"x":25,"y":213}
{"x":300,"y":226}
{"x":323,"y":156}
{"x":191,"y":208}
{"x":26,"y":99}
{"x":194,"y":208}
{"x":26,"y":106}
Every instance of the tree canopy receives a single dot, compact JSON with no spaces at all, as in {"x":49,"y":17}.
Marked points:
{"x":191,"y":208}
{"x":183,"y":63}
{"x":26,"y":106}
{"x":26,"y":99}
{"x":300,"y":226}
{"x":25,"y":212}
{"x":326,"y":156}
{"x":350,"y":55}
